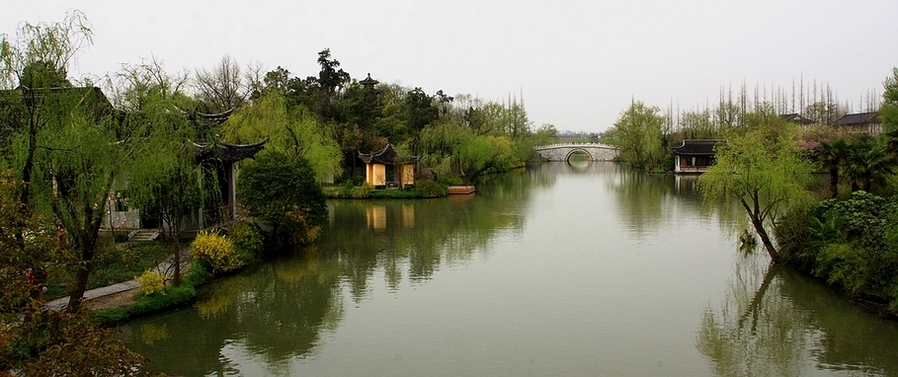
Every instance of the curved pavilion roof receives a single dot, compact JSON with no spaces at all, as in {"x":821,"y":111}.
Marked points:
{"x":386,"y":156}
{"x":696,"y":147}
{"x":227,"y":152}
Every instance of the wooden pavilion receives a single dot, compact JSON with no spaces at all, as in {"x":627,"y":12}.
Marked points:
{"x":386,"y":169}
{"x":694,"y":156}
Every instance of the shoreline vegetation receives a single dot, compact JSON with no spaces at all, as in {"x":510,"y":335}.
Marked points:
{"x":845,"y":234}
{"x":141,"y":138}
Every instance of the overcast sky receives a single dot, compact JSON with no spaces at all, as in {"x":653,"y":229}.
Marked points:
{"x":576,"y":63}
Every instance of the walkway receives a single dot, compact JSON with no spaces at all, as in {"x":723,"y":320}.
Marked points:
{"x":165,"y":268}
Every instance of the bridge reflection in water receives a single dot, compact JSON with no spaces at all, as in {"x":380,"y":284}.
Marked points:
{"x":564,"y":151}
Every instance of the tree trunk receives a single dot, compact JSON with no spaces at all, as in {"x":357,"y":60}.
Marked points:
{"x":758,"y":222}
{"x":176,"y":279}
{"x":76,"y":295}
{"x":765,"y":239}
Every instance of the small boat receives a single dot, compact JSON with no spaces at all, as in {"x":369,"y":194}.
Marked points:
{"x":461,"y":190}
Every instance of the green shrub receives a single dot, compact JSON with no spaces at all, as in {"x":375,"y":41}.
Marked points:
{"x":217,"y":251}
{"x":173,"y":297}
{"x":248,"y":239}
{"x":362,"y":192}
{"x":840,"y":264}
{"x":151,"y":282}
{"x":430,"y":189}
{"x":451,"y":181}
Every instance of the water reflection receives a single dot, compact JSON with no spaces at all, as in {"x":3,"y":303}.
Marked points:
{"x":774,"y":321}
{"x":279,"y":311}
{"x":245,"y":317}
{"x":851,"y":337}
{"x":535,"y":274}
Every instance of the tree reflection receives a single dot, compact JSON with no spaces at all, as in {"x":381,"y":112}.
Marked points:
{"x":775,"y":321}
{"x":757,"y":331}
{"x":645,"y":200}
{"x":413,"y":239}
{"x":275,"y":313}
{"x":853,"y":338}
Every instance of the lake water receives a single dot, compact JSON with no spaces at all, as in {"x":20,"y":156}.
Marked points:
{"x":589,"y":269}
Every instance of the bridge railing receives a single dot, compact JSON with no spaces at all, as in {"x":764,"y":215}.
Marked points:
{"x":571,"y":144}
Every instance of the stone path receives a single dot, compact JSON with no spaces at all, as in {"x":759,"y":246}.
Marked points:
{"x":163,"y":268}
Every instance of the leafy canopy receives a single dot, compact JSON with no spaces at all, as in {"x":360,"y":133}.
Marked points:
{"x":762,"y":167}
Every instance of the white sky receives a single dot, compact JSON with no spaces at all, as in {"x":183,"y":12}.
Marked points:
{"x":577,"y":63}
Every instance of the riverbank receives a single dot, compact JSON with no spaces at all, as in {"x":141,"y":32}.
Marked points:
{"x":122,"y":301}
{"x":591,"y":262}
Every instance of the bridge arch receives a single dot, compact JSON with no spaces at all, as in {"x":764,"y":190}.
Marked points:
{"x":562,"y":152}
{"x":567,"y":158}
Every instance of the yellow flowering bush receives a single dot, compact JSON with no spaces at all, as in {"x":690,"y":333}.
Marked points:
{"x":217,"y":251}
{"x":151,"y":282}
{"x":297,"y":226}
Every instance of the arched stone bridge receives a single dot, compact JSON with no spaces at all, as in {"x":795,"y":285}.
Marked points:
{"x":563,"y":151}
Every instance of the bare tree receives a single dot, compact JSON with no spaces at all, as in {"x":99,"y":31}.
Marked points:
{"x":223,"y":88}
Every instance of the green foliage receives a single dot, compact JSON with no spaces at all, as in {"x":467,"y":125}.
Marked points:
{"x":852,"y":243}
{"x":868,"y":164}
{"x":474,"y":138}
{"x":145,"y":305}
{"x":888,"y":111}
{"x":248,"y":238}
{"x":151,"y":282}
{"x":407,"y":193}
{"x":362,"y":191}
{"x":831,"y":155}
{"x":281,"y":189}
{"x":291,"y":130}
{"x":763,"y":168}
{"x":430,"y":189}
{"x":65,"y":344}
{"x":639,"y":135}
{"x":864,"y":217}
{"x":217,"y":251}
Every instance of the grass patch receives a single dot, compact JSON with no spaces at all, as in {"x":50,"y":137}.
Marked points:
{"x":172,"y":297}
{"x":397,"y":194}
{"x":356,"y":192}
{"x":114,"y":263}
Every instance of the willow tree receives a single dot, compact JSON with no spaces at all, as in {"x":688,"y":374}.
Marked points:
{"x":763,"y":169}
{"x":59,"y":154}
{"x":163,"y":180}
{"x":292,"y":130}
{"x":61,"y":139}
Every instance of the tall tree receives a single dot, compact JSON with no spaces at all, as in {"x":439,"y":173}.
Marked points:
{"x":888,"y":112}
{"x":163,"y":182}
{"x":762,"y":168}
{"x":58,"y":135}
{"x":223,"y":87}
{"x":329,"y":84}
{"x":638,"y":133}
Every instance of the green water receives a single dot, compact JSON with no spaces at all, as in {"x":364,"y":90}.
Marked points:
{"x":560,"y":270}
